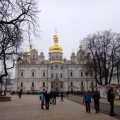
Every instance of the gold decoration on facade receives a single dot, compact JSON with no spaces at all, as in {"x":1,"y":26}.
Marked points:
{"x":30,"y":49}
{"x":54,"y":61}
{"x":55,"y":47}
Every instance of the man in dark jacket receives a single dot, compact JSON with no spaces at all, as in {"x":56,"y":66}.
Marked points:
{"x":51,"y":97}
{"x":54,"y":97}
{"x":111,"y":97}
{"x":96,"y":98}
{"x":19,"y":93}
{"x":47,"y":99}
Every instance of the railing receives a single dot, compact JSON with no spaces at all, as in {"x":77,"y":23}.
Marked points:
{"x":80,"y":93}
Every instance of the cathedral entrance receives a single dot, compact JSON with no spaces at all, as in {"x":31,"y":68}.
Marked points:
{"x":56,"y":90}
{"x":56,"y":84}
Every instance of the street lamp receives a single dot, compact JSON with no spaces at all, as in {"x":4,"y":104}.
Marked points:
{"x":86,"y":79}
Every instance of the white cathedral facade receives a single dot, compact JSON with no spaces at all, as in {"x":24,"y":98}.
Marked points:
{"x":34,"y":73}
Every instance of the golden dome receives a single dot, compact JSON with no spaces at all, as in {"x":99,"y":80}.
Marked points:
{"x":28,"y":52}
{"x":30,"y":49}
{"x":55,"y":47}
{"x":80,"y":46}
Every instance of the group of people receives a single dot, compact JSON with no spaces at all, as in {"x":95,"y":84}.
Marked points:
{"x":87,"y":100}
{"x":47,"y":97}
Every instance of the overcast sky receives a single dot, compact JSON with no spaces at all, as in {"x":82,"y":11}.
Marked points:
{"x":74,"y":20}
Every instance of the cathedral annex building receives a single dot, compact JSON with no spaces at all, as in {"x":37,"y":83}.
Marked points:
{"x":34,"y":73}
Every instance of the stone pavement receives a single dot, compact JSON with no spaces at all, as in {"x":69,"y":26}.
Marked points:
{"x":28,"y":108}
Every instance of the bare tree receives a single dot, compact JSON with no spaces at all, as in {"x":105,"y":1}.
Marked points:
{"x":104,"y":47}
{"x":18,"y":20}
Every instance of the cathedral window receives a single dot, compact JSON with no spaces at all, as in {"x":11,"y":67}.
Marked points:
{"x":70,"y":73}
{"x":21,"y":73}
{"x":91,"y":83}
{"x":32,"y":73}
{"x":91,"y":73}
{"x":43,"y":73}
{"x":21,"y":84}
{"x":81,"y":83}
{"x":32,"y":84}
{"x":51,"y":67}
{"x":61,"y":86}
{"x":52,"y":75}
{"x":71,"y":83}
{"x":51,"y":85}
{"x":81,"y":73}
{"x":43,"y":84}
{"x":61,"y":75}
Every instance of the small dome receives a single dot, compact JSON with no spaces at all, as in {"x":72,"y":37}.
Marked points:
{"x":80,"y":46}
{"x":73,"y":54}
{"x":19,"y":58}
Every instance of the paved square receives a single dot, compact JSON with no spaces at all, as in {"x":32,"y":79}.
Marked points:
{"x":28,"y":108}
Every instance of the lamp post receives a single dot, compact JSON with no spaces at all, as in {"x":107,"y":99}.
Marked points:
{"x":86,"y":79}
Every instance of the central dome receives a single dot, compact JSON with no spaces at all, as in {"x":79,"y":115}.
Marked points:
{"x":55,"y":47}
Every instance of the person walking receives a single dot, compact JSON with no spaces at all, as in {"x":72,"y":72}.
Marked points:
{"x":19,"y":93}
{"x":111,"y":96}
{"x":42,"y":98}
{"x":47,"y":99}
{"x":96,"y":98}
{"x":54,"y":97}
{"x":87,"y":100}
{"x":61,"y":97}
{"x":51,"y":97}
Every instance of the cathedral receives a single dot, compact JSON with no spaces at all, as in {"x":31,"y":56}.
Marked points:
{"x":34,"y":73}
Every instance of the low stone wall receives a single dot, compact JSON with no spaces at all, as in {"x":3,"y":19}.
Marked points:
{"x":4,"y":98}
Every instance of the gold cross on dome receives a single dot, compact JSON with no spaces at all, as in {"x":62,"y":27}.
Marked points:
{"x":41,"y":50}
{"x":55,"y":30}
{"x":73,"y":50}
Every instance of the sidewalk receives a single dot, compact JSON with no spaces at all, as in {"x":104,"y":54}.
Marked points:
{"x":102,"y":100}
{"x":28,"y":108}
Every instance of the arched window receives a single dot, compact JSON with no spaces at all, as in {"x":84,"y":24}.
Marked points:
{"x":21,"y":84}
{"x":43,"y":73}
{"x":21,"y":73}
{"x":71,"y":74}
{"x":32,"y":84}
{"x":91,"y":73}
{"x":43,"y":84}
{"x":81,"y":73}
{"x":52,"y":75}
{"x":33,"y":74}
{"x":81,"y":83}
